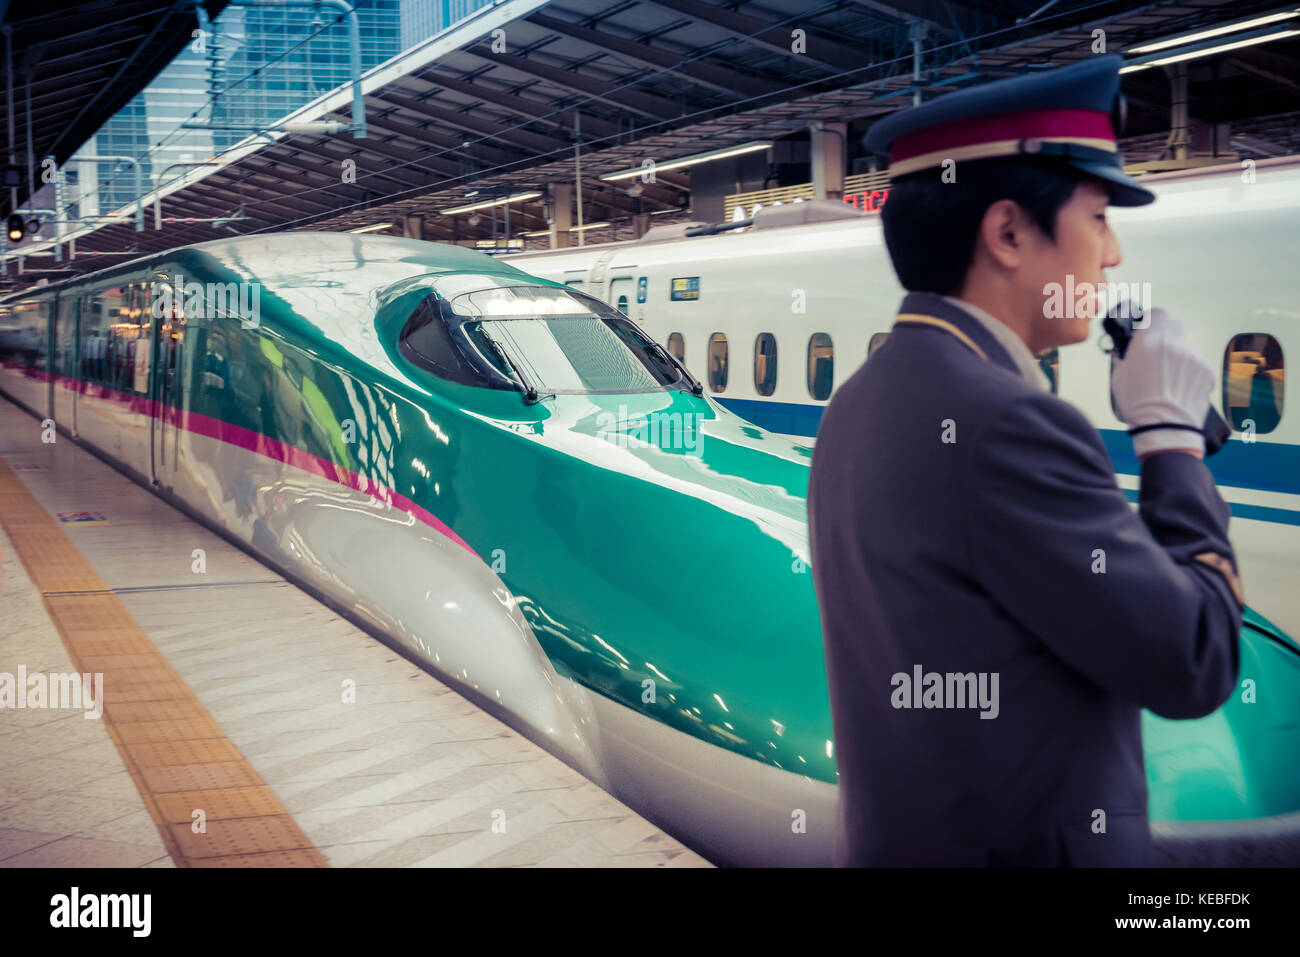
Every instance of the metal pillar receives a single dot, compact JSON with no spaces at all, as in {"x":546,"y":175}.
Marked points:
{"x":828,"y":158}
{"x":9,"y":104}
{"x":561,"y":220}
{"x":916,"y":33}
{"x":1179,"y":138}
{"x":577,"y":169}
{"x":413,"y":226}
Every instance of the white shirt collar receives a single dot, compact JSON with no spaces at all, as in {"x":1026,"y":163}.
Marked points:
{"x":1015,"y":346}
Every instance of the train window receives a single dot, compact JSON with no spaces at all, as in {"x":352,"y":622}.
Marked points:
{"x":426,"y":341}
{"x":677,"y":346}
{"x":621,"y":305}
{"x":1050,"y":363}
{"x":765,"y":363}
{"x":1254,"y":377}
{"x":142,"y":346}
{"x":877,"y":340}
{"x":24,"y":337}
{"x":718,"y":362}
{"x":821,"y":366}
{"x":104,"y":338}
{"x":547,"y":340}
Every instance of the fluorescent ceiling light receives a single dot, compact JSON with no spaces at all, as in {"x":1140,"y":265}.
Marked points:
{"x":1209,"y":50}
{"x":689,"y":160}
{"x":372,"y":229}
{"x":1212,"y":32}
{"x":572,"y":229}
{"x":516,"y":198}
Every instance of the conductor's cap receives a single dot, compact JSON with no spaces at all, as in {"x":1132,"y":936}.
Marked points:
{"x":1071,"y":114}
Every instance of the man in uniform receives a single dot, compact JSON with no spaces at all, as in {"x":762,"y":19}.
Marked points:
{"x":995,"y":613}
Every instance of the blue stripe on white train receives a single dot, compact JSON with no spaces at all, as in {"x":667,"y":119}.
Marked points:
{"x":1218,"y":250}
{"x":1259,"y":481}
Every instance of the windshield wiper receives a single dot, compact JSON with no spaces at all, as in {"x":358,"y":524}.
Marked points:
{"x":531,"y":395}
{"x":691,"y":380}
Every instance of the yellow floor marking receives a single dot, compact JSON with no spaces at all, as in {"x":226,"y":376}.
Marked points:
{"x":177,"y":755}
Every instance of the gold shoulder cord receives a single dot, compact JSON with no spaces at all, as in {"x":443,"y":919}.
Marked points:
{"x":920,"y":320}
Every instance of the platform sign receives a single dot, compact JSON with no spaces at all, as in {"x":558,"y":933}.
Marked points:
{"x":869,"y":200}
{"x":686,"y":288}
{"x":83,"y":518}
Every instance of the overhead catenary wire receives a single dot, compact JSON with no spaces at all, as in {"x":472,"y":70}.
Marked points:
{"x":448,"y":181}
{"x":563,"y":151}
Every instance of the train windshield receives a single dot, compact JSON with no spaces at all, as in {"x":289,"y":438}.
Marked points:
{"x":558,"y":341}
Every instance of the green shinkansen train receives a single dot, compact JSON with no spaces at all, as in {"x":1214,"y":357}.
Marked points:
{"x":509,"y":481}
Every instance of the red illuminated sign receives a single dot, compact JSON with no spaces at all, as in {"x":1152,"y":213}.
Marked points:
{"x":870,"y":200}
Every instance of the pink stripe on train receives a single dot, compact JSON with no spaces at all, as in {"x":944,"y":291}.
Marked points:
{"x":264,"y":445}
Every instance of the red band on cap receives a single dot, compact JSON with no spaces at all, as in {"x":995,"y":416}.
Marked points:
{"x":1029,"y":124}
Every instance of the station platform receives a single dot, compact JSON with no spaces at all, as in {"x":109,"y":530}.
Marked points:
{"x":224,"y":738}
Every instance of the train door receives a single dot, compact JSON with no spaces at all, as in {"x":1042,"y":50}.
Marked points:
{"x":131,"y":336}
{"x":622,"y":296}
{"x":63,"y":374}
{"x":169,"y":364}
{"x":51,"y":358}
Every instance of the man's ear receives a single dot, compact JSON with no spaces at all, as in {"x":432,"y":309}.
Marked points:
{"x":1002,"y":233}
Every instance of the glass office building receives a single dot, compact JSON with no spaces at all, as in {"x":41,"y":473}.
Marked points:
{"x":273,"y":60}
{"x":281,"y":58}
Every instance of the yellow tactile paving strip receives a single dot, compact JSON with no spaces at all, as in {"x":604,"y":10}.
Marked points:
{"x":178,"y":756}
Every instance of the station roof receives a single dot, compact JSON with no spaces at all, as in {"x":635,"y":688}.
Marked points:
{"x":81,"y":63}
{"x":498,"y":102}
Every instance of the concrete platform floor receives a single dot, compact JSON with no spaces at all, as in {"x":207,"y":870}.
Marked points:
{"x":411,"y":774}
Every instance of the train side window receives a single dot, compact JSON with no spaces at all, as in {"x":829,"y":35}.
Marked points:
{"x":621,"y":305}
{"x":142,"y":345}
{"x":677,"y":347}
{"x":103,"y":338}
{"x":718,"y":362}
{"x":877,"y":340}
{"x":1254,"y":380}
{"x":821,"y":366}
{"x":426,"y":341}
{"x":765,"y":363}
{"x":1050,"y":363}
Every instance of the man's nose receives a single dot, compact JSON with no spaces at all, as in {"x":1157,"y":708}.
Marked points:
{"x":1110,"y":254}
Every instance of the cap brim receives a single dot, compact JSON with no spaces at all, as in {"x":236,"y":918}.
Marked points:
{"x":1124,"y":189}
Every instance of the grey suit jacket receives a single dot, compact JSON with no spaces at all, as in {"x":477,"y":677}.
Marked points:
{"x":968,"y":535}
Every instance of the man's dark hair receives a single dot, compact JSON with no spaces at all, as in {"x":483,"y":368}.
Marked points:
{"x":930,"y":225}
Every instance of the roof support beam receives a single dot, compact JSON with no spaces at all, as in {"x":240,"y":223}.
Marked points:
{"x":716,"y":78}
{"x":451,"y":162}
{"x":534,"y":109}
{"x":628,"y":100}
{"x":828,"y":54}
{"x":427,"y":105}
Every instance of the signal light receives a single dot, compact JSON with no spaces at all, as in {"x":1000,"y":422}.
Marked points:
{"x":16,"y":228}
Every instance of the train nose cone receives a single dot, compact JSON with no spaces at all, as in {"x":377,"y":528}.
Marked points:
{"x":677,"y":577}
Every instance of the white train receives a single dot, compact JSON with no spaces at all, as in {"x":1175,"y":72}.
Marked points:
{"x":773,"y":318}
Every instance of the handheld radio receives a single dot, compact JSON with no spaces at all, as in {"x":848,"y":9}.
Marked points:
{"x":1119,"y":326}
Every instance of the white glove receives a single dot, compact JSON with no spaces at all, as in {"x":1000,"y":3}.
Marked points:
{"x":1162,"y":380}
